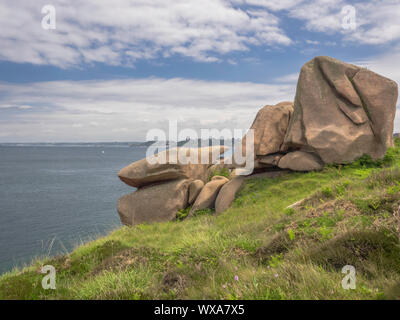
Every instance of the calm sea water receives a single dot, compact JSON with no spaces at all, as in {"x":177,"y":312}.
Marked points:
{"x":54,"y":198}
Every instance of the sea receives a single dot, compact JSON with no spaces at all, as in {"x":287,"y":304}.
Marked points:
{"x":56,"y":197}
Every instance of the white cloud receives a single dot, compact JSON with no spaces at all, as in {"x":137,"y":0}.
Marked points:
{"x":274,"y":5}
{"x":319,"y":15}
{"x":110,"y":110}
{"x":125,"y":109}
{"x":120,"y":32}
{"x":25,"y":107}
{"x":377,"y":21}
{"x":290,"y":78}
{"x":124,"y":31}
{"x":13,"y":106}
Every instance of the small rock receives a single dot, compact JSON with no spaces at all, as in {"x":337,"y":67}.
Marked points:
{"x":271,"y":159}
{"x":227,"y":194}
{"x":194,"y":190}
{"x":300,"y":161}
{"x":218,"y":178}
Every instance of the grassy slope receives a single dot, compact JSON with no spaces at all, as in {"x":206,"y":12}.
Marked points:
{"x":255,"y":250}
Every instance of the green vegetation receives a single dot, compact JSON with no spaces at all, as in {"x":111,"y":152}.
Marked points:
{"x":182,"y":214}
{"x":224,"y":172}
{"x":257,"y":249}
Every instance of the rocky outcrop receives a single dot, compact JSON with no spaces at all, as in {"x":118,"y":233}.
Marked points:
{"x":342,"y":112}
{"x":167,"y":185}
{"x":156,"y":203}
{"x":170,"y":167}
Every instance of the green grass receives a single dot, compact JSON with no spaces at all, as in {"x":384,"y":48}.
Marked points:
{"x":257,"y":249}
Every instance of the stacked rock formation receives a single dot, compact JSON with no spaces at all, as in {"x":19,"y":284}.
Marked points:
{"x":167,"y":186}
{"x":340,"y":113}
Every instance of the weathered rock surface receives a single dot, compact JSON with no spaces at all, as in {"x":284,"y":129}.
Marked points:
{"x":218,"y":178}
{"x":208,"y":194}
{"x":270,"y":127}
{"x":156,"y":203}
{"x":271,"y":159}
{"x":194,"y":190}
{"x":227,"y":194}
{"x":342,"y":111}
{"x":300,"y":161}
{"x":143,"y":172}
{"x":379,"y":95}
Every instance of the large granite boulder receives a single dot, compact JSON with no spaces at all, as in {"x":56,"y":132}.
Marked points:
{"x":155,"y":203}
{"x":145,"y":172}
{"x":341,"y":112}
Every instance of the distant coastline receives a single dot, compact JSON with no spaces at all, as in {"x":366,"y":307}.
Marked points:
{"x":73,"y":144}
{"x":111,"y":144}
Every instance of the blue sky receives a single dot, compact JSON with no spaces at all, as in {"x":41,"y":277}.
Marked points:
{"x":112,"y":70}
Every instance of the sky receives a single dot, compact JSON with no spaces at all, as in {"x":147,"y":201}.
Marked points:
{"x":113,"y":70}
